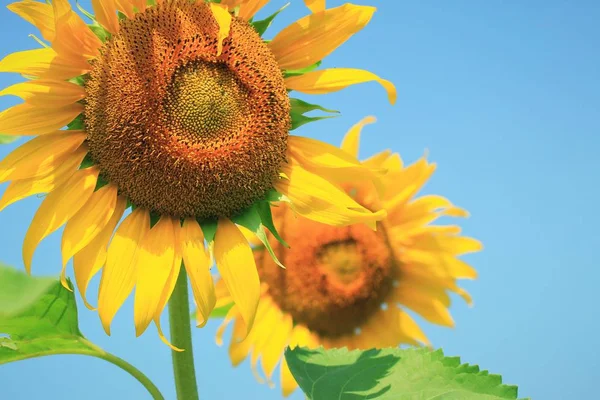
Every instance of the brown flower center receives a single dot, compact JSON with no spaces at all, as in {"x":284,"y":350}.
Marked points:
{"x":181,"y":130}
{"x":335,"y":278}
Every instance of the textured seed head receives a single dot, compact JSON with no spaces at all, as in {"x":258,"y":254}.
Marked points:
{"x":180,"y":130}
{"x":335,"y":277}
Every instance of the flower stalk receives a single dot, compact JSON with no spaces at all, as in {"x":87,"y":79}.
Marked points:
{"x":181,"y":337}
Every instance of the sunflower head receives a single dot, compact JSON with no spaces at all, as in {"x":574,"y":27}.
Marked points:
{"x":352,"y":286}
{"x":178,"y":117}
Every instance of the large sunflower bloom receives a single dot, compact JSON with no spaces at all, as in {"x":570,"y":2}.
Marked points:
{"x":351,"y":286}
{"x":179,"y":110}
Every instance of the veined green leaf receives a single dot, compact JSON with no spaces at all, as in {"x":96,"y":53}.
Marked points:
{"x":391,"y":374}
{"x":262,"y":25}
{"x":19,"y":291}
{"x":38,"y":317}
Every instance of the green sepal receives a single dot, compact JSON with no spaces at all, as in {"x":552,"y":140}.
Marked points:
{"x":79,"y":80}
{"x":154,"y":218}
{"x":220,"y":312}
{"x":302,"y":107}
{"x":209,"y":228}
{"x":87,"y":162}
{"x":100,"y":32}
{"x":300,"y":119}
{"x":77,"y":123}
{"x":101,"y":182}
{"x":6,"y":139}
{"x":262,"y":25}
{"x":121,"y":16}
{"x":88,"y":14}
{"x":151,"y":2}
{"x":95,"y":27}
{"x":296,"y":72}
{"x":274,"y":196}
{"x":264,"y":210}
{"x":251,"y":220}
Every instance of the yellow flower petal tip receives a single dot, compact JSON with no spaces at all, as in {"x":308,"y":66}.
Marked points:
{"x":223,"y":19}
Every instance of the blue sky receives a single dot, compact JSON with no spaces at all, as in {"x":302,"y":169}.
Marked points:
{"x":505,"y":96}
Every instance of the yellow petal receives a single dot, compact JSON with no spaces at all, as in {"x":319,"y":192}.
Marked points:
{"x":236,"y":265}
{"x":42,"y":93}
{"x":119,"y":274}
{"x":250,"y":7}
{"x":197,"y":264}
{"x":335,"y":79}
{"x":41,"y":63}
{"x":315,"y":6}
{"x":351,"y":141}
{"x":328,"y":161}
{"x":39,"y":156}
{"x":65,"y":167}
{"x":106,"y":14}
{"x":316,"y":198}
{"x":126,"y":7}
{"x":431,"y":304}
{"x":223,"y":19}
{"x":58,"y":207}
{"x":172,"y":280}
{"x":313,"y":37}
{"x":154,"y":266}
{"x":88,"y":261}
{"x":41,"y":15}
{"x":24,"y":119}
{"x":410,"y":328}
{"x":74,"y":40}
{"x":273,"y":350}
{"x":89,"y":221}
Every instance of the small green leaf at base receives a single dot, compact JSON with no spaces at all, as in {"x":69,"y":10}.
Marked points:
{"x":391,"y":374}
{"x":301,"y":107}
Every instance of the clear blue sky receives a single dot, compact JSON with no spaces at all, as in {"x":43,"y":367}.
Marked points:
{"x":506,"y":97}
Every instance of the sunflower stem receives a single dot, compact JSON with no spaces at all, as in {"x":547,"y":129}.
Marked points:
{"x":181,"y":337}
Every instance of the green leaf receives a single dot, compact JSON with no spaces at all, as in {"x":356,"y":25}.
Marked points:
{"x":251,"y":219}
{"x":6,"y":139}
{"x":19,"y":291}
{"x":262,"y":25}
{"x":301,"y":71}
{"x":35,"y":322}
{"x":45,"y":323}
{"x":392,"y":374}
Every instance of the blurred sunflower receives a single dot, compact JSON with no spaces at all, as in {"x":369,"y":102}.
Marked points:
{"x":180,"y":110}
{"x":348,"y":286}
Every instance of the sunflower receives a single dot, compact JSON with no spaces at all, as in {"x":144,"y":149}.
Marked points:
{"x":349,"y":286}
{"x":179,"y":110}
